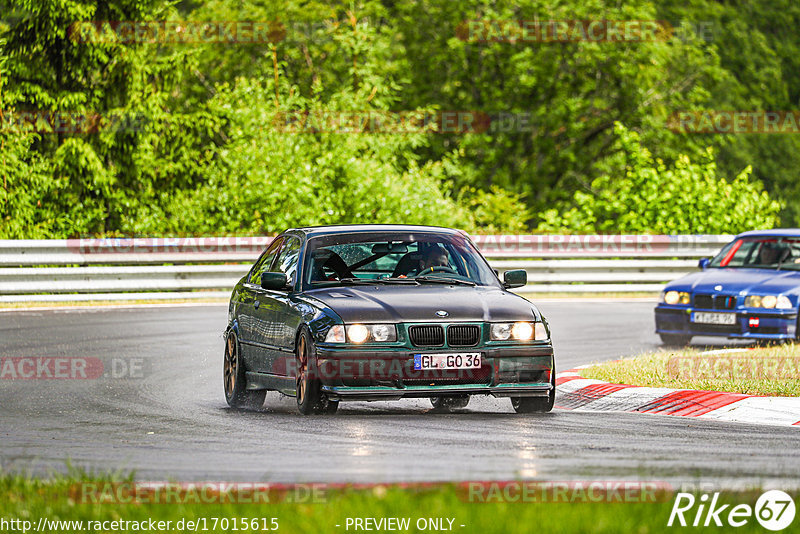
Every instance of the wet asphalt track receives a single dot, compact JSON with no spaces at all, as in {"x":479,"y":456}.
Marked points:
{"x":173,"y":423}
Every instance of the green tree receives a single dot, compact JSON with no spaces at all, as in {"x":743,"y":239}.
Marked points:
{"x":145,"y":143}
{"x":649,"y":196}
{"x":570,"y":93}
{"x":265,"y":178}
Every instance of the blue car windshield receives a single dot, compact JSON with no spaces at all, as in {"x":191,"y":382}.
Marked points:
{"x":760,"y":253}
{"x":410,"y":258}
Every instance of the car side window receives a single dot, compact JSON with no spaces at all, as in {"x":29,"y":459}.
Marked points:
{"x":264,"y":262}
{"x":288,"y":258}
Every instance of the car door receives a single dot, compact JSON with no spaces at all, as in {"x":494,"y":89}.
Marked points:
{"x":275,"y":316}
{"x":248,"y":308}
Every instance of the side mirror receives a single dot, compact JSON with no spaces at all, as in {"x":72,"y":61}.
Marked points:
{"x":274,"y":281}
{"x":703,"y":263}
{"x":515,"y":278}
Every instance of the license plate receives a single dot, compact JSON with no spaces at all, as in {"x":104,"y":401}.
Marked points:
{"x":714,"y":318}
{"x":469,"y":360}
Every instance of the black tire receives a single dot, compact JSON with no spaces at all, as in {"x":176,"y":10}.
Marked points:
{"x":234,"y":380}
{"x":446,"y":404}
{"x":675,"y":340}
{"x":537,"y":404}
{"x":310,"y":399}
{"x":797,"y":329}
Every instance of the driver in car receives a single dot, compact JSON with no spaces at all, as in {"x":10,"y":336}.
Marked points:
{"x":769,"y":253}
{"x":415,"y":263}
{"x":436,"y":256}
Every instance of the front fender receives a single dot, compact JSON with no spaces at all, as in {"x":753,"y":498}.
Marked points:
{"x":317,"y":316}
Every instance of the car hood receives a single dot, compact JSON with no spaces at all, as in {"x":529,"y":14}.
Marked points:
{"x":750,"y":281}
{"x":393,"y":304}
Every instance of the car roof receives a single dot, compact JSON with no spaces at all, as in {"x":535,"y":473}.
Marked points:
{"x":776,"y":232}
{"x":313,"y":231}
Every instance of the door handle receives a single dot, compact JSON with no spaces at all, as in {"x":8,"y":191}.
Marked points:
{"x":257,"y":304}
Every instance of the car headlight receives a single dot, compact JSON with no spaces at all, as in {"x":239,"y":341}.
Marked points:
{"x":360,"y":333}
{"x":676,"y":297}
{"x":335,"y":334}
{"x":519,"y":331}
{"x":780,"y":302}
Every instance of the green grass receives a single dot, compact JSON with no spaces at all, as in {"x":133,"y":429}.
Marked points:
{"x":57,"y":499}
{"x":773,"y":371}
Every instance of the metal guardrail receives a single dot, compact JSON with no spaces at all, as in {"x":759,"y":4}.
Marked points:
{"x":100,"y":269}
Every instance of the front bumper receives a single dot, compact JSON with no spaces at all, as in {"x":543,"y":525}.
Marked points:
{"x":772,"y":324}
{"x":507,"y":371}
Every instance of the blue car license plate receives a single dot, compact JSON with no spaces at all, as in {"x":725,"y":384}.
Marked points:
{"x":461,"y":360}
{"x":714,"y":318}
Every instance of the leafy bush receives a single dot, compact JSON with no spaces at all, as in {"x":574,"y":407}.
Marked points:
{"x":642,"y":194}
{"x":264,"y":178}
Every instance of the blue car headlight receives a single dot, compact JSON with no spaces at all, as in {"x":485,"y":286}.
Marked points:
{"x":780,"y":302}
{"x":675,"y":297}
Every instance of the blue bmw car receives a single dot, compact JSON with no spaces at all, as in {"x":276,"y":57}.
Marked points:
{"x":750,"y":290}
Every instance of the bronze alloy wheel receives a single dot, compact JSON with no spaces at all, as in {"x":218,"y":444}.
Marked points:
{"x":310,"y":399}
{"x":302,"y":370}
{"x":235,"y":380}
{"x":230,"y":365}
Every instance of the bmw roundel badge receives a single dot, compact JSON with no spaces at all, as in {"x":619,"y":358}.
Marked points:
{"x":442,"y":313}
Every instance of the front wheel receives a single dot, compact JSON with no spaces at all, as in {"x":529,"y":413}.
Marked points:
{"x":234,"y":380}
{"x":310,"y":399}
{"x":537,"y":404}
{"x":675,"y":340}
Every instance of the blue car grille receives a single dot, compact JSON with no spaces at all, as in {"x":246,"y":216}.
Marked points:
{"x":715,"y":302}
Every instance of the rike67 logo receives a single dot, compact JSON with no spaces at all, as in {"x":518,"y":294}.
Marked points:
{"x":774,"y":510}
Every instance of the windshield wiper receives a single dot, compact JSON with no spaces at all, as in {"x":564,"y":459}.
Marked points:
{"x":355,"y":280}
{"x":396,"y":280}
{"x":442,"y":280}
{"x":370,"y":281}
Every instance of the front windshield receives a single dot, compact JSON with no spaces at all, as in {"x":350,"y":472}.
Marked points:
{"x":409,"y":258}
{"x":760,"y":253}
